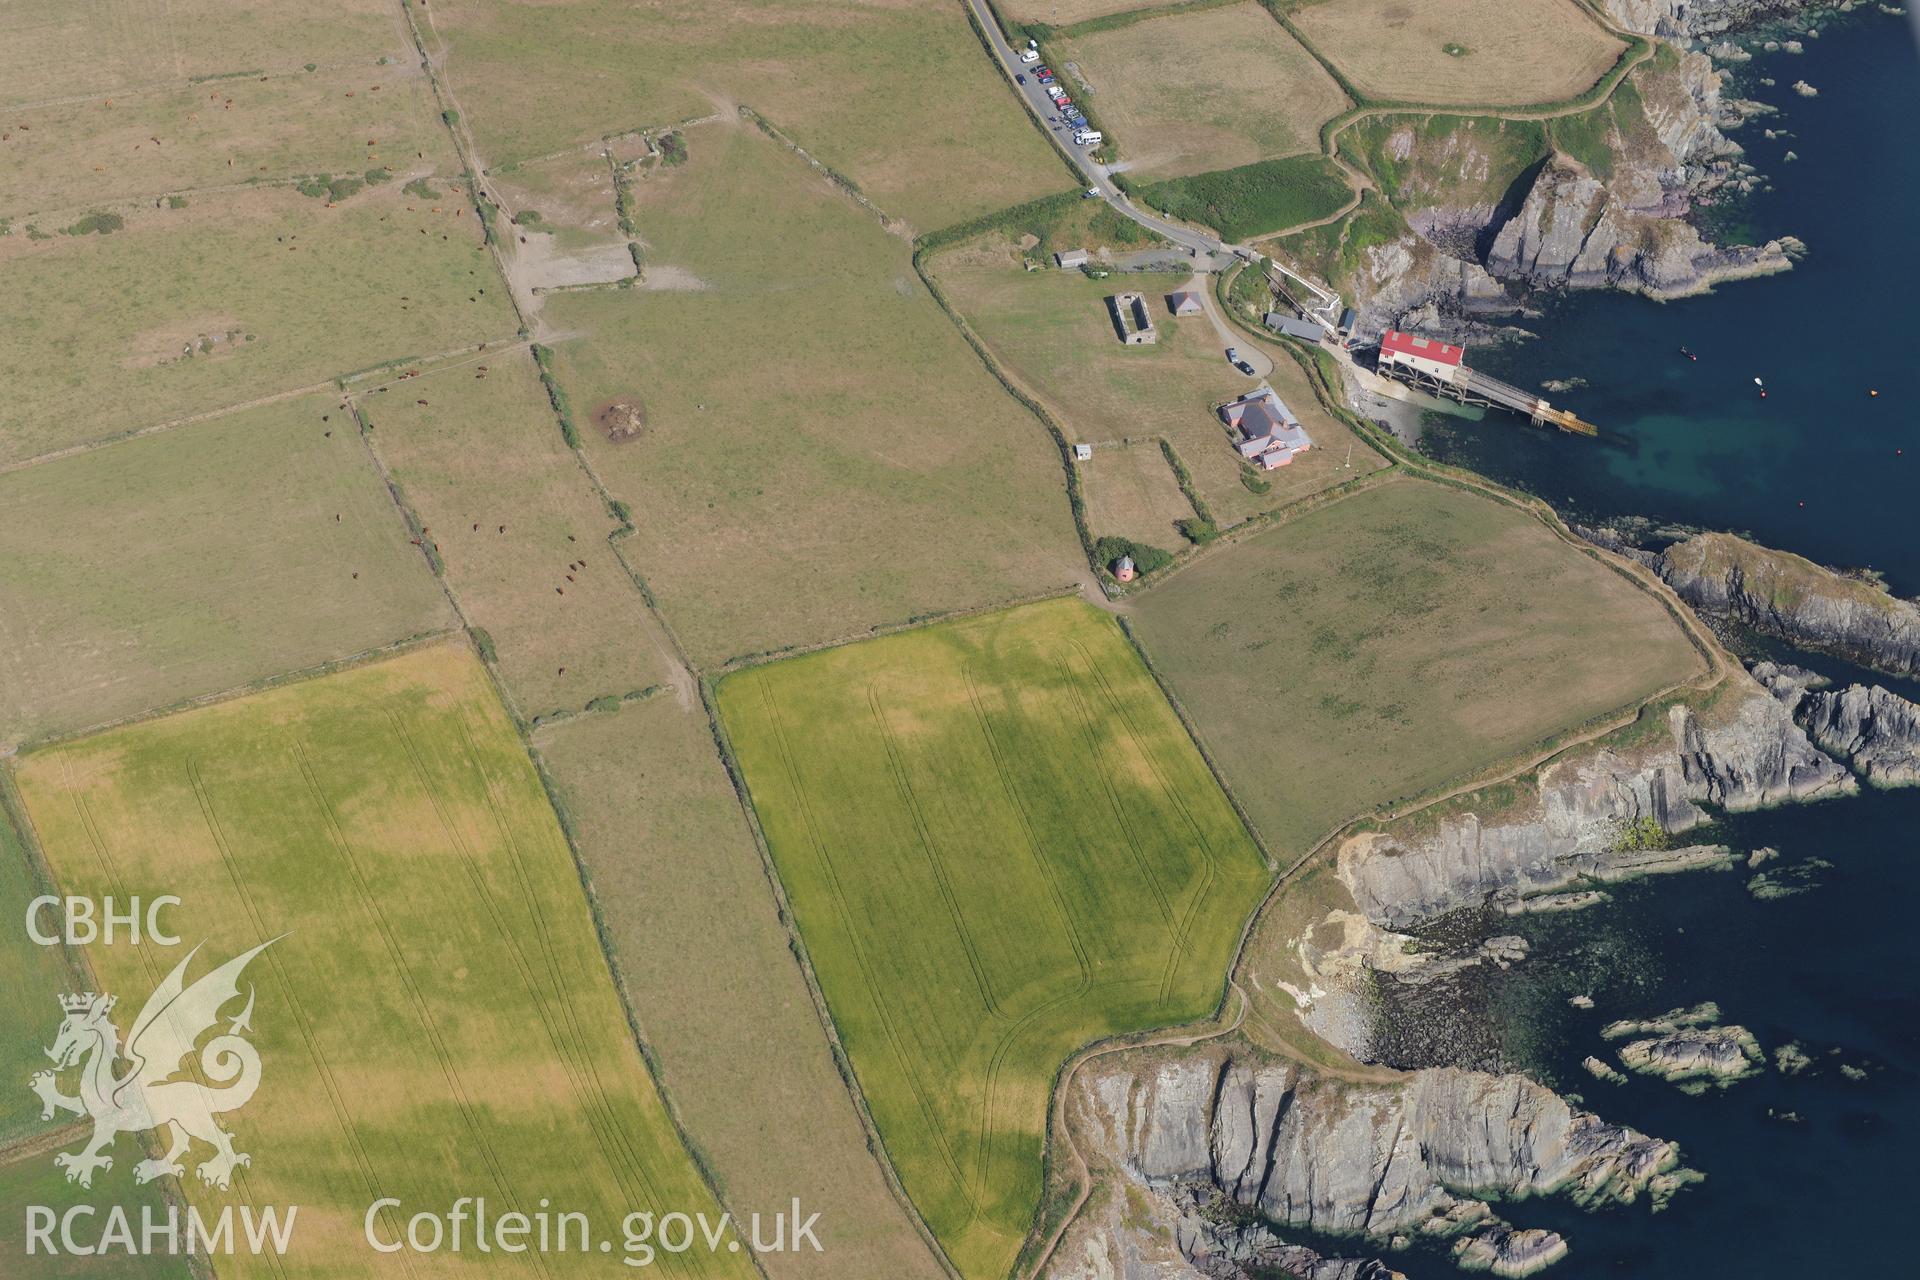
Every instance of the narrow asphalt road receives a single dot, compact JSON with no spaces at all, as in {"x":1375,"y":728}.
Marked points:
{"x":1097,"y":175}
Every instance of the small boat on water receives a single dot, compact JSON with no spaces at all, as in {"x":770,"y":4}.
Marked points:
{"x":1688,"y":354}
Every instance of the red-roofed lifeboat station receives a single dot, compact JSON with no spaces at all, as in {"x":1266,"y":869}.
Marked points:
{"x":1440,"y":368}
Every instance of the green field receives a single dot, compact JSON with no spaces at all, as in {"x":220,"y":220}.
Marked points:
{"x":823,"y":452}
{"x":436,"y":1018}
{"x":243,"y":295}
{"x":1254,"y":199}
{"x":999,"y":844}
{"x":1377,"y":648}
{"x":901,"y":98}
{"x":712,"y":978}
{"x":195,"y":560}
{"x":34,"y":1180}
{"x":35,"y":977}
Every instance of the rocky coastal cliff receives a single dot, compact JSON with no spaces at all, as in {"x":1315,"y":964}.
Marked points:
{"x":1598,"y":814}
{"x":1729,"y":579}
{"x":1604,"y":202}
{"x":1220,"y":1149}
{"x":1873,"y":729}
{"x":1683,"y":19}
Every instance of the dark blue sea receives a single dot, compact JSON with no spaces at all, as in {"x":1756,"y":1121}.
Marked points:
{"x":1813,"y":1174}
{"x":1692,"y":440}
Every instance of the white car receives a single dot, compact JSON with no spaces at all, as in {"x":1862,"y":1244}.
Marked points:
{"x":1030,"y":55}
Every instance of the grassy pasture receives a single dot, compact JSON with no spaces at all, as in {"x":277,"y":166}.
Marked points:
{"x":35,"y":977}
{"x":487,"y":451}
{"x":708,"y":969}
{"x":1051,"y":330}
{"x":1064,"y":13}
{"x":824,"y":453}
{"x":898,"y":96}
{"x":1255,"y":199}
{"x":569,"y":198}
{"x":103,"y":335}
{"x":1489,"y":52}
{"x":1212,"y":89}
{"x":1132,"y":493}
{"x":75,"y":152}
{"x":75,"y":47}
{"x":438,"y":1019}
{"x":999,"y":844}
{"x":191,"y":561}
{"x":1378,"y":647}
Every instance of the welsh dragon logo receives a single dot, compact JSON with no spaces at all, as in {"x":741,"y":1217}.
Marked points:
{"x":145,"y":1095}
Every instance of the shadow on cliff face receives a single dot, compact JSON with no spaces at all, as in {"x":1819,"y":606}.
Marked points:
{"x":1510,"y":203}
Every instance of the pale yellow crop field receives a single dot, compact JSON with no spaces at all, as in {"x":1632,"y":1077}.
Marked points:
{"x":1466,"y":52}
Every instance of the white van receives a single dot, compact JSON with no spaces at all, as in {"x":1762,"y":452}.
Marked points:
{"x":1030,"y":55}
{"x":1087,"y":137}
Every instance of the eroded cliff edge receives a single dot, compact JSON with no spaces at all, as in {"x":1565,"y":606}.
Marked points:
{"x":1473,"y":214}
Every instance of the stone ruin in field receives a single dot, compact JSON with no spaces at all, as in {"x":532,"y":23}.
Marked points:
{"x":622,"y":419}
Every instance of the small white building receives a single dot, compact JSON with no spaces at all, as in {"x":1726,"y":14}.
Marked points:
{"x":1083,"y":453}
{"x":1071,"y":258}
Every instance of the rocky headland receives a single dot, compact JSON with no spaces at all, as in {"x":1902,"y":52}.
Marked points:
{"x":1733,"y":581}
{"x":1219,"y":1159}
{"x":1487,"y":219}
{"x":1211,"y":1153}
{"x":1598,"y":814}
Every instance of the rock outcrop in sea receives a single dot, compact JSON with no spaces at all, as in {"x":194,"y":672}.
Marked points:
{"x":1689,"y":1047}
{"x":1220,"y":1149}
{"x":1873,"y":729}
{"x":1577,"y":230}
{"x":1777,"y":593}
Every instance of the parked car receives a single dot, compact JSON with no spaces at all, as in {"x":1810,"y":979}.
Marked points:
{"x":1019,"y":79}
{"x":1043,"y":72}
{"x":1233,"y":355}
{"x":1243,"y":367}
{"x":1029,"y":55}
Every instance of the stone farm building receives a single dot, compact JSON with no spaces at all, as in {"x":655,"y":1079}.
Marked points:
{"x":1184,"y":302}
{"x":1131,"y":319}
{"x":1269,"y":434}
